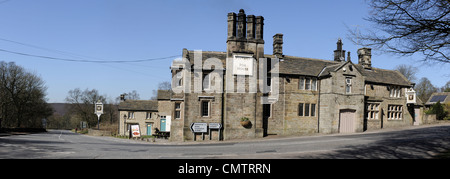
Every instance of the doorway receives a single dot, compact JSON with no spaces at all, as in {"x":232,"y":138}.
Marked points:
{"x":347,"y":121}
{"x":149,"y":129}
{"x":162,"y":125}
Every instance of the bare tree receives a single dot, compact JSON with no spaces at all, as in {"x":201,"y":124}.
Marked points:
{"x":22,"y":97}
{"x":424,"y":89}
{"x":408,"y":71}
{"x":83,"y":104}
{"x":408,"y":27}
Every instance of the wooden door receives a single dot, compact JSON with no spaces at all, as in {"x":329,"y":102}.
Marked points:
{"x":347,"y":121}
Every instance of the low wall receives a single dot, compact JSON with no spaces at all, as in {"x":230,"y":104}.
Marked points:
{"x":95,"y":132}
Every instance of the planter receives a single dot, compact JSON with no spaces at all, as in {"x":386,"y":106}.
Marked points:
{"x":246,"y":124}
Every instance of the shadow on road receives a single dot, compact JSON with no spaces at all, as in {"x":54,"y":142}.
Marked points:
{"x":408,"y":144}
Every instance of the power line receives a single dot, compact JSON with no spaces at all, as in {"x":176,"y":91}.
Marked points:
{"x":87,"y":61}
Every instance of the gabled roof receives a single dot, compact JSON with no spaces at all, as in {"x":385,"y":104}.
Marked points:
{"x":138,"y":105}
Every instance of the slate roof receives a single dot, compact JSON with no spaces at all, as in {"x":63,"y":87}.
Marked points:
{"x":138,"y":105}
{"x":316,"y":67}
{"x":292,"y":65}
{"x":164,"y":94}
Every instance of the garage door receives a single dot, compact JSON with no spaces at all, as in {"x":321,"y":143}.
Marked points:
{"x":347,"y":121}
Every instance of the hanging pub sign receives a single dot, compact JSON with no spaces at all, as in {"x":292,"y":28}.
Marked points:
{"x":410,"y":96}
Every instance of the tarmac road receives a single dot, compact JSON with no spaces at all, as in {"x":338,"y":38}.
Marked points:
{"x":409,"y":142}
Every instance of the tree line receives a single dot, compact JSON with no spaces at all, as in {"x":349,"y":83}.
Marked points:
{"x":22,"y":98}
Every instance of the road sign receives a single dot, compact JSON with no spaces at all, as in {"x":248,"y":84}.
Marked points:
{"x":199,"y":127}
{"x":215,"y":125}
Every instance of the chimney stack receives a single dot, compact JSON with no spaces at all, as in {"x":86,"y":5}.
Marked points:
{"x":231,"y":26}
{"x":241,"y":24}
{"x":365,"y":57}
{"x":339,"y":54}
{"x":278,"y":45}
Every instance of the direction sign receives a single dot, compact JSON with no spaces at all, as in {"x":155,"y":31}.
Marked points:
{"x":215,"y":125}
{"x":199,"y":127}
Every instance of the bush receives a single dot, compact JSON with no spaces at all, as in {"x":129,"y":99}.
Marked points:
{"x":439,"y":110}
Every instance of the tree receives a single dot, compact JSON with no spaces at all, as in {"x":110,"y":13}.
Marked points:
{"x":133,"y":95}
{"x":446,"y":87}
{"x":161,"y":86}
{"x":424,"y":89}
{"x":22,"y":97}
{"x":408,"y":71}
{"x":409,"y":27}
{"x":83,"y":103}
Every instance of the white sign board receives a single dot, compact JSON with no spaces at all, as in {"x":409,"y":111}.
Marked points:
{"x":98,"y":108}
{"x":410,"y":96}
{"x":199,"y":127}
{"x":243,"y":65}
{"x":135,"y":132}
{"x":215,"y":125}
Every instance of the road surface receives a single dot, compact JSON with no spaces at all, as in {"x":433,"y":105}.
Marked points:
{"x":410,"y":142}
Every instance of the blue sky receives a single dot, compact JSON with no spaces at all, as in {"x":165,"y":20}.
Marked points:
{"x":143,"y":29}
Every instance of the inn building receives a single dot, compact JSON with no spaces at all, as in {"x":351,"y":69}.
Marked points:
{"x":282,"y":94}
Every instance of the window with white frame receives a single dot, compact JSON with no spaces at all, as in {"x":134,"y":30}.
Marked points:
{"x":348,"y":85}
{"x":395,"y":92}
{"x":307,"y":83}
{"x":395,"y":112}
{"x":301,"y":83}
{"x":148,"y":115}
{"x":130,"y":115}
{"x":177,"y":110}
{"x":373,"y":111}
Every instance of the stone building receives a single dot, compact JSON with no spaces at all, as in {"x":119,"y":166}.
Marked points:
{"x":150,"y":115}
{"x":281,"y":94}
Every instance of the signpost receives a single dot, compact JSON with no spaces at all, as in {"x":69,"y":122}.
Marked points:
{"x":99,"y":111}
{"x":199,"y":128}
{"x":203,"y":128}
{"x":214,"y":126}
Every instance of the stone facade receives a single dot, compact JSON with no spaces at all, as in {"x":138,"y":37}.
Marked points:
{"x":311,"y":96}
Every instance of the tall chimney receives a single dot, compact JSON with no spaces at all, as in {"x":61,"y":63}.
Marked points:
{"x":259,"y":28}
{"x":250,"y":27}
{"x":365,"y":57}
{"x":241,"y":24}
{"x":231,"y":25}
{"x":278,"y":45}
{"x":339,"y":54}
